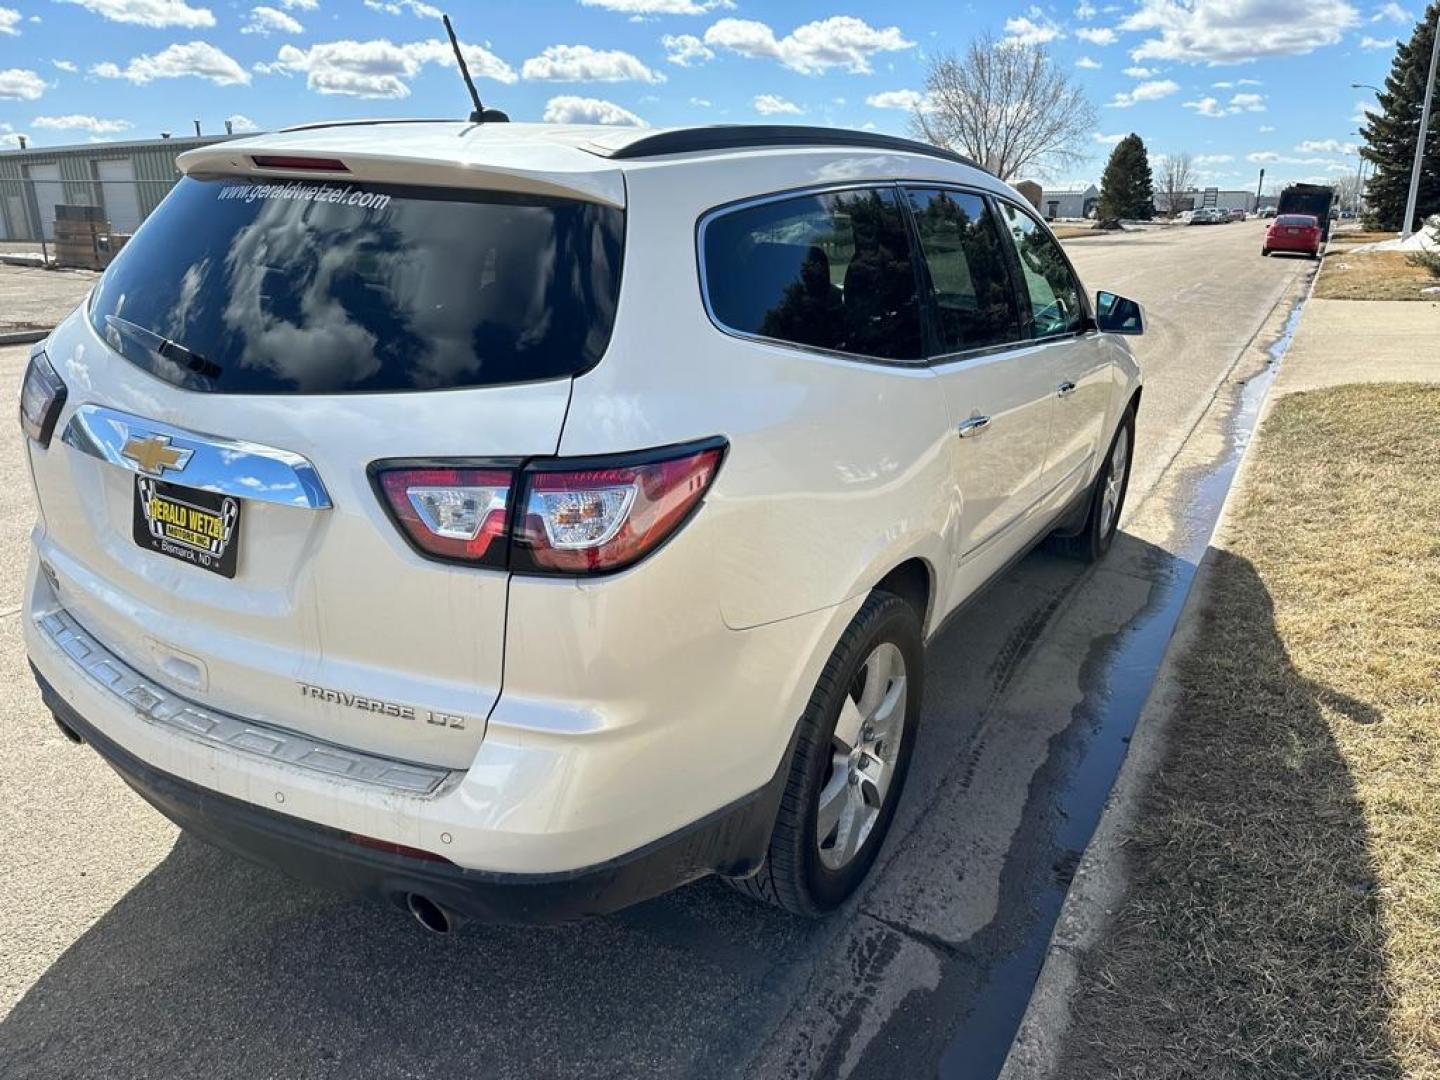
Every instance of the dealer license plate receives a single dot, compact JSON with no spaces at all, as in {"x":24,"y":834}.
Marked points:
{"x":198,"y":527}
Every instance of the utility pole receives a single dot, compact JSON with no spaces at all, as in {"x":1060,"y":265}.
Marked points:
{"x":1259,"y":187}
{"x":1407,"y":226}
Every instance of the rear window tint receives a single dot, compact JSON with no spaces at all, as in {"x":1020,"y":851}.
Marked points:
{"x":290,"y":287}
{"x":829,"y":271}
{"x":1297,"y":219}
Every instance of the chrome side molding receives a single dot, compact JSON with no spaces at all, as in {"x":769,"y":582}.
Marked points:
{"x":244,"y":470}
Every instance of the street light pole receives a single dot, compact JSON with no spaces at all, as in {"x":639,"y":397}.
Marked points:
{"x":1407,"y":227}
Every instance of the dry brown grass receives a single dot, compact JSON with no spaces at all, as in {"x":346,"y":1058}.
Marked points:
{"x":1283,"y":912}
{"x":1070,"y":232}
{"x":1372,"y":275}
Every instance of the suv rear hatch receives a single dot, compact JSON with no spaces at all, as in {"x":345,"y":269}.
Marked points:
{"x":269,"y":340}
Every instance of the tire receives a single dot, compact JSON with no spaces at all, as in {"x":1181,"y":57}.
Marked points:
{"x":1098,"y":533}
{"x":800,"y":873}
{"x":1264,"y":251}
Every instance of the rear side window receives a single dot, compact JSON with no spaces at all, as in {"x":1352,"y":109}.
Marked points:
{"x":960,"y":242}
{"x":827,"y":271}
{"x":1053,"y":292}
{"x":239,"y":287}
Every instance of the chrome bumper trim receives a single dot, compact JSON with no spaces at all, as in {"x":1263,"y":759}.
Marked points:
{"x":159,"y":706}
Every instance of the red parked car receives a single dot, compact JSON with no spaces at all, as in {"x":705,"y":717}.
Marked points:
{"x":1293,"y":232}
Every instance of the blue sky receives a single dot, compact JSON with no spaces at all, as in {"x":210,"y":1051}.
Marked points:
{"x":1236,"y":83}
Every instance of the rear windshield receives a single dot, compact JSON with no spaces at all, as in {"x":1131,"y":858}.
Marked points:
{"x":290,"y":287}
{"x":1297,"y":219}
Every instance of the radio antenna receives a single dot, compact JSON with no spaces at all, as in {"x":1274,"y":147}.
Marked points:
{"x":481,"y":115}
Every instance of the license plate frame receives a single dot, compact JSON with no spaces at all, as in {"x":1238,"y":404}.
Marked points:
{"x":201,"y":528}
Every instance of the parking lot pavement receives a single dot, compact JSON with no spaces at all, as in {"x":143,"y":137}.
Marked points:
{"x":128,"y":950}
{"x":32,"y":298}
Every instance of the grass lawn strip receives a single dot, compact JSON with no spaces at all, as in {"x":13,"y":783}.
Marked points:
{"x":1282,"y":917}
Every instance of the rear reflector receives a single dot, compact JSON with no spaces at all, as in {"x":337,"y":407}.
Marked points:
{"x":304,"y":164}
{"x":395,"y":849}
{"x":456,"y":514}
{"x":597,"y":520}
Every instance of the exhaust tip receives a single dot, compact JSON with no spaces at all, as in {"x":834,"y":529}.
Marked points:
{"x":429,"y":914}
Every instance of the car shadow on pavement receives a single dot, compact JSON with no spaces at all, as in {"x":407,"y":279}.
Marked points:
{"x":1251,"y":939}
{"x":211,"y":966}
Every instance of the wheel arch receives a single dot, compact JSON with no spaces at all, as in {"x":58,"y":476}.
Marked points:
{"x":913,"y":580}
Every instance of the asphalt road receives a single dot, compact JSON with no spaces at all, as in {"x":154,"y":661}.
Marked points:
{"x":128,"y":950}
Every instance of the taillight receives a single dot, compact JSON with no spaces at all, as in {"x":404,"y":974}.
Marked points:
{"x":306,"y":164}
{"x":42,"y":396}
{"x":456,"y":514}
{"x":586,"y":518}
{"x":581,"y":516}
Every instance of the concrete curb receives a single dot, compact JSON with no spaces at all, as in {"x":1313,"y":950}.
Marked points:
{"x":24,"y":337}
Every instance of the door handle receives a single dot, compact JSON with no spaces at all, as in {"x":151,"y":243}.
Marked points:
{"x":973,"y":426}
{"x":1065,"y":389}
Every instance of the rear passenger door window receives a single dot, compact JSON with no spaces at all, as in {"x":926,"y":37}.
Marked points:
{"x":972,"y":295}
{"x":1050,"y":287}
{"x":826,"y":271}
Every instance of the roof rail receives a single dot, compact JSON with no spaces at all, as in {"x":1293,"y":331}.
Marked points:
{"x":367,"y":123}
{"x":740,"y":136}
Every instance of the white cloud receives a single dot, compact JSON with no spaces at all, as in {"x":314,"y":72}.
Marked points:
{"x":770,"y":105}
{"x":9,"y":19}
{"x":239,"y":122}
{"x":1107,"y":140}
{"x":400,"y":7}
{"x":1325,"y":146}
{"x":269,"y":20}
{"x":841,"y":41}
{"x":1377,"y":43}
{"x":380,"y":68}
{"x":1270,"y":157}
{"x":197,"y":58}
{"x":568,"y":109}
{"x":1036,"y":28}
{"x":301,"y":5}
{"x":1088,"y":64}
{"x":1249,"y":82}
{"x":1140,"y":72}
{"x":1223,"y":85}
{"x":658,"y":7}
{"x":1145,"y":91}
{"x":1265,"y":129}
{"x":581,"y":63}
{"x":1086,"y":10}
{"x":153,"y":13}
{"x":1392,"y":12}
{"x":909,"y":100}
{"x":1213,"y":159}
{"x":686,"y":49}
{"x":1238,"y":103}
{"x":78,"y":122}
{"x":1232,"y":31}
{"x":20,"y":84}
{"x":65,"y":65}
{"x":1097,"y":35}
{"x":701,"y":103}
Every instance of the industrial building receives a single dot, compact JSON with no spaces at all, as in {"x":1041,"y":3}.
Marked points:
{"x":126,"y":180}
{"x":1196,"y":198}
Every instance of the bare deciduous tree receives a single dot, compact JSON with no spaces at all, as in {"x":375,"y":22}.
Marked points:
{"x":1175,"y":175}
{"x":1348,"y":190}
{"x":1007,"y":106}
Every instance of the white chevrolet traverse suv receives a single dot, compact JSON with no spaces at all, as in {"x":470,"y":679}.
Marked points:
{"x":518,"y":521}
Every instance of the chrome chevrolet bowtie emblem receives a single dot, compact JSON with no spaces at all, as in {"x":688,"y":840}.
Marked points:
{"x":154,"y":454}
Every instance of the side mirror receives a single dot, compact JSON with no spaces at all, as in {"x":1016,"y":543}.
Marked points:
{"x":1118,"y":315}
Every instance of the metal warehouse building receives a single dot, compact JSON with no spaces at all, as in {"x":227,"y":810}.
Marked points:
{"x":126,"y":180}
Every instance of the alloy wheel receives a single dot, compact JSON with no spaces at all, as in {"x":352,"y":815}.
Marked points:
{"x":864,"y":752}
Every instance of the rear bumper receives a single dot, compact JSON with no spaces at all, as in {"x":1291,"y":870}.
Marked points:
{"x":730,"y":841}
{"x":1296,"y":244}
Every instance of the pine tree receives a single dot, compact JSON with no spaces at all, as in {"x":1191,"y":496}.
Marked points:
{"x":1127,"y":189}
{"x":1390,"y":134}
